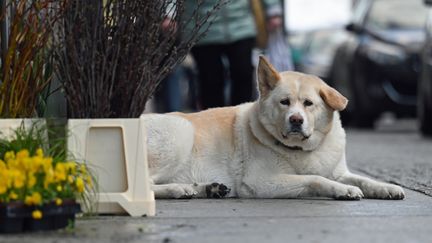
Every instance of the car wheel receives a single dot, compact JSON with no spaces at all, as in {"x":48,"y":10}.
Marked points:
{"x":362,"y":115}
{"x":425,"y":117}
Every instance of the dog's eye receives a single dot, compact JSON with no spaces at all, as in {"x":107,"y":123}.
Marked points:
{"x":307,"y":103}
{"x":285,"y":102}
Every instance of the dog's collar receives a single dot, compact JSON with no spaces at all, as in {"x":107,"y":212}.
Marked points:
{"x":297,"y":148}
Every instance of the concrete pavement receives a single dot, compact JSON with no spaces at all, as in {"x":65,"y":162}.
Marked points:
{"x":394,"y":152}
{"x":387,"y":154}
{"x":237,"y":220}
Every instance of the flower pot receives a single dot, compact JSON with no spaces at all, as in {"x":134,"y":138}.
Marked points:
{"x":66,"y":214}
{"x":115,"y":151}
{"x":12,"y":217}
{"x":7,"y":126}
{"x":16,"y":217}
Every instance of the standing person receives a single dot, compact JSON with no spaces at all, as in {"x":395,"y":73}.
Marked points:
{"x":231,"y":35}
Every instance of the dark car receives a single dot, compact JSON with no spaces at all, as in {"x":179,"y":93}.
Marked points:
{"x":378,"y":66}
{"x":424,"y":105}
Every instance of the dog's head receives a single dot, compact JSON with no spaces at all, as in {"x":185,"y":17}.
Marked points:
{"x":297,"y":109}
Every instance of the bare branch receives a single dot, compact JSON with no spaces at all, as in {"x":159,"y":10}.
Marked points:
{"x":112,"y":54}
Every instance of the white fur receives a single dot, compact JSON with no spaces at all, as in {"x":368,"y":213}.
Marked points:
{"x":173,"y":159}
{"x":260,"y":162}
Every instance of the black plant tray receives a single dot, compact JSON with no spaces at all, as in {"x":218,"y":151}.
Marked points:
{"x":17,"y":217}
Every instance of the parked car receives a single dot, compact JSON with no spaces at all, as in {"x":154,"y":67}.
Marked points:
{"x":378,"y":66}
{"x":424,"y":101}
{"x":318,"y":49}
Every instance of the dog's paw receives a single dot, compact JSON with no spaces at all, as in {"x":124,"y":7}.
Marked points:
{"x":386,"y":191}
{"x":216,"y":190}
{"x":349,"y":193}
{"x":183,"y":191}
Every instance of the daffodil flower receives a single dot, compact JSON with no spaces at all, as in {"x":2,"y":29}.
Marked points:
{"x":34,"y":179}
{"x":58,"y":201}
{"x":37,"y":214}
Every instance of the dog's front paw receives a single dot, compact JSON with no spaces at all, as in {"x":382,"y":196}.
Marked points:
{"x":183,"y":191}
{"x":349,"y":193}
{"x":386,"y":191}
{"x":216,"y":190}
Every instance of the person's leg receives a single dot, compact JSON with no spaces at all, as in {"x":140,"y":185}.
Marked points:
{"x":241,"y":69}
{"x":173,"y":98}
{"x":168,"y":97}
{"x":210,"y":75}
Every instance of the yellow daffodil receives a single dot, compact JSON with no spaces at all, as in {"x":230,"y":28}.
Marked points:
{"x":27,"y":164}
{"x":88,"y":180}
{"x":18,"y":178}
{"x":22,"y":174}
{"x":24,"y":153}
{"x":28,"y":200}
{"x":4,"y":181}
{"x":36,"y":164}
{"x":13,"y":196}
{"x":31,"y":181}
{"x":39,"y":152}
{"x":13,"y":164}
{"x":58,"y":201}
{"x":37,"y":198}
{"x":9,"y":155}
{"x":79,"y":184}
{"x":70,"y":179}
{"x":47,"y":164}
{"x":3,"y":188}
{"x":49,"y":178}
{"x":2,"y":165}
{"x":60,"y":172}
{"x":70,"y":167}
{"x":83,"y":169}
{"x":34,"y":199}
{"x":37,"y":214}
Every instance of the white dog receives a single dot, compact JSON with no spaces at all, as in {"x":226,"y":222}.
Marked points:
{"x":288,"y":144}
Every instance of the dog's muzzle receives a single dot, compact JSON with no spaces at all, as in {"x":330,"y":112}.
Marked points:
{"x":296,"y":132}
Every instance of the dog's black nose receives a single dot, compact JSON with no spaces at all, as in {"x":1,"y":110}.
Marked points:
{"x":296,"y":120}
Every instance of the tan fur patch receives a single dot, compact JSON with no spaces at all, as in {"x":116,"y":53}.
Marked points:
{"x":216,"y":124}
{"x":268,"y":76}
{"x":333,"y":98}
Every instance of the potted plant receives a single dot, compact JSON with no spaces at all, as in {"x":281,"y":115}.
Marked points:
{"x":26,"y":60}
{"x":111,"y":55}
{"x":29,"y":198}
{"x":26,"y":56}
{"x":39,"y":189}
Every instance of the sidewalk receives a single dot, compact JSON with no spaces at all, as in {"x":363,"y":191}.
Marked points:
{"x":238,"y":220}
{"x":402,"y":157}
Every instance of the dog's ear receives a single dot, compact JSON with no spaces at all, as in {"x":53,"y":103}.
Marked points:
{"x":333,"y":98}
{"x":267,"y":75}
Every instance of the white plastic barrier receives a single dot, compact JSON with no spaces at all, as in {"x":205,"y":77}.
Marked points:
{"x":115,"y":150}
{"x":8,"y":126}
